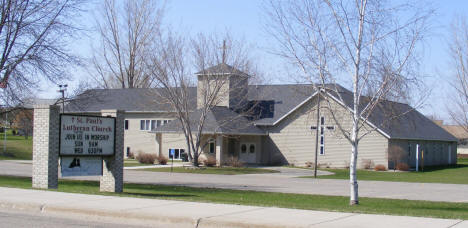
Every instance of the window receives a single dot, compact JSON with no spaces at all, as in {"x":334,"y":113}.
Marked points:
{"x":243,"y":148}
{"x":322,"y":136}
{"x":128,"y":151}
{"x":165,"y":122}
{"x":146,"y":125}
{"x":176,"y":153}
{"x":252,"y":148}
{"x":313,"y":128}
{"x":331,"y":128}
{"x":158,"y":123}
{"x":126,"y":124}
{"x":153,"y":124}
{"x":212,"y":146}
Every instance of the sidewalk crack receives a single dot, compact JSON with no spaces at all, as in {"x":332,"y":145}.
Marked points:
{"x":455,"y":223}
{"x":233,"y":213}
{"x":332,"y":220}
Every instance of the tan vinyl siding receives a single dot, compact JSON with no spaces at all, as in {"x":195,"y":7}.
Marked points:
{"x":142,"y":140}
{"x":293,"y":141}
{"x":435,"y":152}
{"x":173,"y":141}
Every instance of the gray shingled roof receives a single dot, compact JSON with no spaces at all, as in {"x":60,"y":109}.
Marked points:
{"x":130,"y":100}
{"x":284,"y":98}
{"x":408,"y":124}
{"x":219,"y":120}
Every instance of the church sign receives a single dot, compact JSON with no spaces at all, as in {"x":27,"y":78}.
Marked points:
{"x":81,"y":166}
{"x":86,"y":135}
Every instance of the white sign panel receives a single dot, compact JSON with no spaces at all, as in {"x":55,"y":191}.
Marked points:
{"x":81,"y":166}
{"x":87,"y":135}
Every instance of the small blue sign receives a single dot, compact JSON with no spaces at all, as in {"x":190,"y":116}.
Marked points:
{"x":172,"y":151}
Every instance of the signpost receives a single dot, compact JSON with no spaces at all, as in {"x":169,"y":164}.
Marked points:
{"x":83,"y":142}
{"x":172,"y":152}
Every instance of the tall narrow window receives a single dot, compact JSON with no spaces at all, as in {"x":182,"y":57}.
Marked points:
{"x":126,"y":124}
{"x":322,"y":136}
{"x":212,"y":146}
{"x":153,"y":124}
{"x":142,"y":125}
{"x":147,"y":126}
{"x":158,"y":123}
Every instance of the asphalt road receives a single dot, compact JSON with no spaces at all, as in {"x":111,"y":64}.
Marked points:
{"x":283,"y":182}
{"x":24,"y":219}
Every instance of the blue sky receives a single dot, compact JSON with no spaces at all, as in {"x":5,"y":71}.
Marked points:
{"x":244,"y":20}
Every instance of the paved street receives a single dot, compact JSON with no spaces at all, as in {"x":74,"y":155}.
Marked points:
{"x":85,"y":209}
{"x":283,"y":182}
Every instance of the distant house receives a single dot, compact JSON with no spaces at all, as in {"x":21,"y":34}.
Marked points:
{"x":22,"y":115}
{"x":281,"y":131}
{"x":460,"y":133}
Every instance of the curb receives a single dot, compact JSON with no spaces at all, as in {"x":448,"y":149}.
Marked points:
{"x":126,"y":217}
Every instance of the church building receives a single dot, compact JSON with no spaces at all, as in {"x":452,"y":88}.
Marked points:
{"x":279,"y":126}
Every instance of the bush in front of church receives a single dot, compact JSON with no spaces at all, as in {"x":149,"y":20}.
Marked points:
{"x":146,"y":158}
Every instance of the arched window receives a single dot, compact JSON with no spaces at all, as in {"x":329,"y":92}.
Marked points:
{"x":243,"y":148}
{"x":252,"y":148}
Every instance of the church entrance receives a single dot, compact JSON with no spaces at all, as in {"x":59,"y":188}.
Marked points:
{"x":248,"y":152}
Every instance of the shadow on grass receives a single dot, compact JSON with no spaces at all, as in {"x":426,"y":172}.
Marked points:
{"x":444,"y":167}
{"x":154,"y":195}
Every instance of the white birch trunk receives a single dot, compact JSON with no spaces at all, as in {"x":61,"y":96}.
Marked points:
{"x":354,"y":196}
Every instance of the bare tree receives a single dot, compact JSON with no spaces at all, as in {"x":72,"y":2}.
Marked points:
{"x":172,"y":66}
{"x":33,"y":37}
{"x":459,"y":51}
{"x":24,"y":122}
{"x":366,"y":45}
{"x":127,"y":31}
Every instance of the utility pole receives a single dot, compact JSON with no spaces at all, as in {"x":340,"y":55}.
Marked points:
{"x":5,"y":132}
{"x":317,"y":133}
{"x":62,"y":89}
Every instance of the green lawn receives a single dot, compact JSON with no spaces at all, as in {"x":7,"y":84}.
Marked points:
{"x":133,"y":163}
{"x":457,"y":174}
{"x":284,"y":200}
{"x":212,"y":170}
{"x":17,"y":147}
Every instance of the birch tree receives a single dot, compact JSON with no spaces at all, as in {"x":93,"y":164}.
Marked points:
{"x":459,"y":52}
{"x":34,"y":35}
{"x":127,"y":29}
{"x":368,"y":46}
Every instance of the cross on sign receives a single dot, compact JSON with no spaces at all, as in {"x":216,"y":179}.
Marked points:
{"x":322,"y":133}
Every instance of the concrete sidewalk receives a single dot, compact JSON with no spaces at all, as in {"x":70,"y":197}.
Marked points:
{"x":169,"y":213}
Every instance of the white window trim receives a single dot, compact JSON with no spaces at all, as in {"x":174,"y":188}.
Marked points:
{"x":211,"y":141}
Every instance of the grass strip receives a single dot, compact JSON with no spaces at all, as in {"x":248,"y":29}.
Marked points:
{"x":212,"y":170}
{"x":267,"y":199}
{"x":455,"y":174}
{"x":17,"y":147}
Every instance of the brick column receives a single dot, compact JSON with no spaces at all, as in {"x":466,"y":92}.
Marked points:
{"x":45,"y":146}
{"x":112,"y":167}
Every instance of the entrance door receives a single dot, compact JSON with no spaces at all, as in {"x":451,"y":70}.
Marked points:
{"x":248,"y":152}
